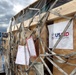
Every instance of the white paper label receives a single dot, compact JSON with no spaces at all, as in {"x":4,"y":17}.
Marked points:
{"x":31,"y":46}
{"x":55,"y":31}
{"x":22,"y":55}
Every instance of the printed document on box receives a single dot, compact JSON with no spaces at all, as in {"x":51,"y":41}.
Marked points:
{"x":22,"y":55}
{"x":31,"y":46}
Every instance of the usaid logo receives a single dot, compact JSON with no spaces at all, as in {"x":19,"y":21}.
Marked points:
{"x":57,"y":35}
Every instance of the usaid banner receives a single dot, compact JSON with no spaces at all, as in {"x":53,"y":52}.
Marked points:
{"x":55,"y":30}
